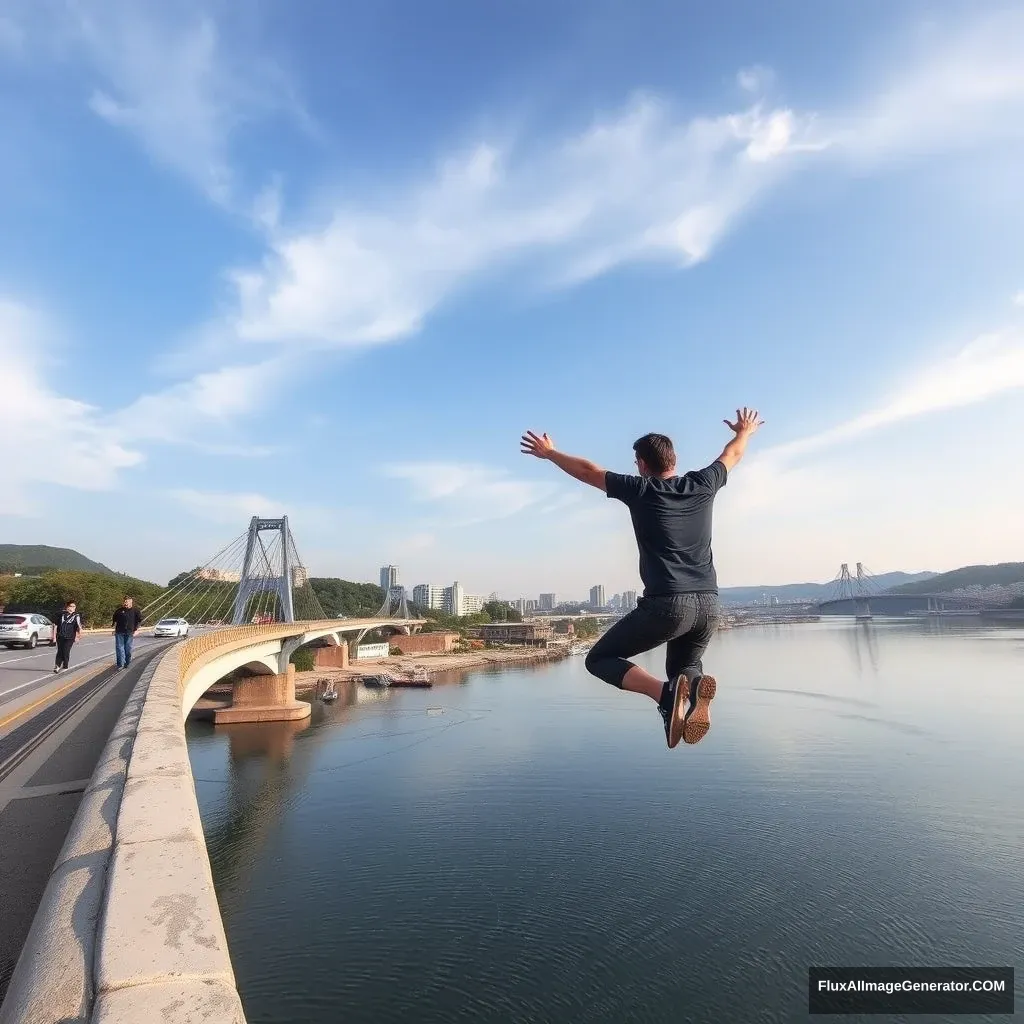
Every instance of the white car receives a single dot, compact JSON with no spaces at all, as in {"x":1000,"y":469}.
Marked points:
{"x":27,"y":630}
{"x":171,"y":627}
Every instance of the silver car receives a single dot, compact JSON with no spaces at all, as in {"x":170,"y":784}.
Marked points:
{"x":171,"y":627}
{"x":26,"y":630}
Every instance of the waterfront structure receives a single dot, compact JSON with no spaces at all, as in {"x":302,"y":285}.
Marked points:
{"x":532,"y":634}
{"x":597,"y":597}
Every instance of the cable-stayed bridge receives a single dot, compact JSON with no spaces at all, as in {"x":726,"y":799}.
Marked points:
{"x":255,"y":598}
{"x":859,"y":594}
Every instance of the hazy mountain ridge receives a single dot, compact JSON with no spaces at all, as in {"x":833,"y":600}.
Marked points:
{"x":816,"y":591}
{"x":36,"y":558}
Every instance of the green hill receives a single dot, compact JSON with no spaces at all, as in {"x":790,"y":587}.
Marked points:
{"x":1001,"y":575}
{"x":33,"y":559}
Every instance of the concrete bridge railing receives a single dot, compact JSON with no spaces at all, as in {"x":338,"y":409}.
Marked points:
{"x":129,"y":929}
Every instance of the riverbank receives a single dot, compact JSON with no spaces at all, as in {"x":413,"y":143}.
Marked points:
{"x":432,"y":664}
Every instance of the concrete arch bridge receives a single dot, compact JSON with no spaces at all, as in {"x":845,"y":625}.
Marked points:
{"x":268,"y":694}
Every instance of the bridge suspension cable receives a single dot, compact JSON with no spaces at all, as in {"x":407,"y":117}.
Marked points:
{"x":253,"y":578}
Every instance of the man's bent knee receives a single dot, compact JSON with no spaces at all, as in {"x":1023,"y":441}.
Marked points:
{"x":609,"y":670}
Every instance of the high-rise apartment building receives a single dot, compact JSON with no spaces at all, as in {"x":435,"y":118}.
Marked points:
{"x":547,"y":602}
{"x":529,"y":606}
{"x":472,"y":603}
{"x":426,"y":595}
{"x":597,"y":596}
{"x":628,"y":600}
{"x":455,"y":599}
{"x":388,"y":577}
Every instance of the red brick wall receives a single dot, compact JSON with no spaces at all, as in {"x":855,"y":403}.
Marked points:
{"x":425,"y":643}
{"x":331,"y":657}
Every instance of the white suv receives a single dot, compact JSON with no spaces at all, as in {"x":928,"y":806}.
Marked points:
{"x":26,"y":630}
{"x":171,"y":627}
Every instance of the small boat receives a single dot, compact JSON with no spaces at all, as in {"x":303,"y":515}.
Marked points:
{"x":380,"y":682}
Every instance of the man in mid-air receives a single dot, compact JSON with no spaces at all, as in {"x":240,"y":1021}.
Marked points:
{"x":672,"y":521}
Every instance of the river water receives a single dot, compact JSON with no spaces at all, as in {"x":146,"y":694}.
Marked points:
{"x":522,"y":846}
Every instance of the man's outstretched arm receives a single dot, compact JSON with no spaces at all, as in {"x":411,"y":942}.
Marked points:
{"x":744,"y":428}
{"x":542,"y":447}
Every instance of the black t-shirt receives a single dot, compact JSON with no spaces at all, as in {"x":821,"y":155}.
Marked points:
{"x":127,"y":620}
{"x":672,"y":523}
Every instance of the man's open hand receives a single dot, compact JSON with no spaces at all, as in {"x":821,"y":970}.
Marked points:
{"x":747,"y":422}
{"x":541,"y":447}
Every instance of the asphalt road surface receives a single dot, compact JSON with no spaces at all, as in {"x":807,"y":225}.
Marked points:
{"x":22,"y":670}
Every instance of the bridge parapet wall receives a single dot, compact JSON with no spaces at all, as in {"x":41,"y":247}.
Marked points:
{"x":129,"y":928}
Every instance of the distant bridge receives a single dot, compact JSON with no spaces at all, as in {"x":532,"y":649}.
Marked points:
{"x":903,"y":604}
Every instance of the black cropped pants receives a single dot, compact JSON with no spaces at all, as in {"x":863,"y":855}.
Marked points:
{"x":684,"y":622}
{"x":64,"y":645}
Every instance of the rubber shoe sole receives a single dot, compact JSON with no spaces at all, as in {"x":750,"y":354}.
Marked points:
{"x":674,"y":732}
{"x":698,"y":718}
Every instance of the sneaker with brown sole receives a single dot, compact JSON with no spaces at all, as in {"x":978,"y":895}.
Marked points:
{"x":697,"y":722}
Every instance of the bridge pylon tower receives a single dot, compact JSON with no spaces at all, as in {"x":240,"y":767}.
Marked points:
{"x":267,"y":568}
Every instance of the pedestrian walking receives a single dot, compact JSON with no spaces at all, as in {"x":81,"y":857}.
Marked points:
{"x":126,"y":622}
{"x":69,"y":629}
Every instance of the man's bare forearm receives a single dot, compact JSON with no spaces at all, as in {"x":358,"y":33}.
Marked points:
{"x":734,"y":450}
{"x":579,"y":469}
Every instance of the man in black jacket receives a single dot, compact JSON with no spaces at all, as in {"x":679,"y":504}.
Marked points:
{"x":69,"y":629}
{"x":126,"y":622}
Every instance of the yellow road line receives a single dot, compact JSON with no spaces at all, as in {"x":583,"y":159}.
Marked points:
{"x":51,"y":696}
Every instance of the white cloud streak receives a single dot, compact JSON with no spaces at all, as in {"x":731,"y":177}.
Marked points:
{"x":48,"y":439}
{"x":990,"y":365}
{"x":464,"y":493}
{"x":170,"y":76}
{"x":637,"y":185}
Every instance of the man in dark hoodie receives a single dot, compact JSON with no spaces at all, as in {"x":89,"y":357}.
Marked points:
{"x":126,"y":622}
{"x":69,"y":629}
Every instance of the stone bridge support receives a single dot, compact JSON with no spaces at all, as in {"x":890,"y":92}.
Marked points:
{"x":267,"y":697}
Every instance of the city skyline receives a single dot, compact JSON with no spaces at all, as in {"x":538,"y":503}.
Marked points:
{"x":226,"y":244}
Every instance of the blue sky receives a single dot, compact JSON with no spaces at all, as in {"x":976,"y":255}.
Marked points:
{"x":331,"y":259}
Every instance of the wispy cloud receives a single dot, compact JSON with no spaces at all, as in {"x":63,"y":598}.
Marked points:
{"x":963,"y":89}
{"x":223,"y":507}
{"x":236,"y":508}
{"x":170,"y":76}
{"x":637,"y":184}
{"x":211,"y":401}
{"x":464,"y":493}
{"x":755,"y":79}
{"x":988,"y":366}
{"x":50,"y":439}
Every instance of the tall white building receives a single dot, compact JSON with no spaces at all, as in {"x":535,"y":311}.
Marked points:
{"x":473,"y":603}
{"x":597,"y":596}
{"x":547,"y":602}
{"x":426,"y":595}
{"x":388,"y":577}
{"x":455,"y":599}
{"x":628,"y":600}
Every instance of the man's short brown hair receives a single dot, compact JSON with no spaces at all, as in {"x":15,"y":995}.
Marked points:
{"x":657,"y":452}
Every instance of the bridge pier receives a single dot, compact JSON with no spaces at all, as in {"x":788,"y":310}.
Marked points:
{"x":264,"y":698}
